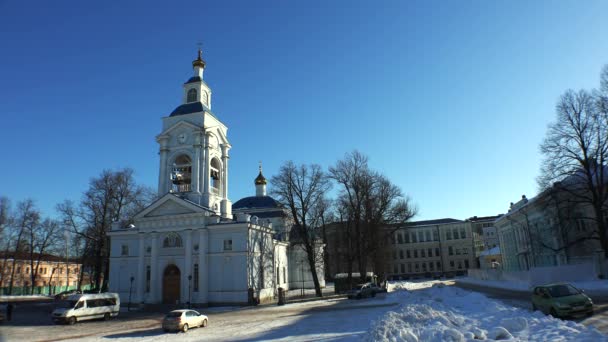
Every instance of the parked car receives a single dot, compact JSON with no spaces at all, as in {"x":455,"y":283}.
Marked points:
{"x":80,"y":307}
{"x":183,"y":320}
{"x":561,"y":300}
{"x":66,"y":294}
{"x":363,"y":291}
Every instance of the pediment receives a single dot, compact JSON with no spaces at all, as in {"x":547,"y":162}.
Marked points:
{"x":169,"y":205}
{"x":180,"y":126}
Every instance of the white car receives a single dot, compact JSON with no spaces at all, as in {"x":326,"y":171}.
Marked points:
{"x":184,"y":320}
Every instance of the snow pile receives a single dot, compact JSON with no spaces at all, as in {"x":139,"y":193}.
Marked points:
{"x":447,"y":313}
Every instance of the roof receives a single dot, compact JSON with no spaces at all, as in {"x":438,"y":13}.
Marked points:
{"x":484,"y":218}
{"x":188,"y":108}
{"x":492,"y":251}
{"x":432,"y":222}
{"x":45,"y":257}
{"x":255,"y":202}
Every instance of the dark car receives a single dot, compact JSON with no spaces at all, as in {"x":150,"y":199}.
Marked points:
{"x":363,"y":291}
{"x":561,"y":300}
{"x":65,"y":294}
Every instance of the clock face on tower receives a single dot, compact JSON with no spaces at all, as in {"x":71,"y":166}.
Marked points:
{"x":182,"y":138}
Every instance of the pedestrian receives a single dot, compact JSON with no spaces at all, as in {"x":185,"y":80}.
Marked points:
{"x":9,"y":311}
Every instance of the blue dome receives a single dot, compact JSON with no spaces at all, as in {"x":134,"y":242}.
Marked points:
{"x":256,"y":202}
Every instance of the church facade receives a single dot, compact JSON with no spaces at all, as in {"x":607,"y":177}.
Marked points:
{"x":188,"y":246}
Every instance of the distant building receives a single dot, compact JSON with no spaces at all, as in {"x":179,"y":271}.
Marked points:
{"x":432,"y":248}
{"x":54,"y":273}
{"x":547,"y":230}
{"x":484,"y":233}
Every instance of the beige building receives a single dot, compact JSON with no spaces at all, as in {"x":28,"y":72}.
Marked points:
{"x":53,"y":274}
{"x":432,"y":248}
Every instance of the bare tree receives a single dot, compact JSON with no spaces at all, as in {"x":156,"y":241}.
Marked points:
{"x":372,"y":205}
{"x":300,"y":189}
{"x":576,"y":151}
{"x":26,"y":218}
{"x":113,"y":197}
{"x":5,"y":234}
{"x":41,"y":239}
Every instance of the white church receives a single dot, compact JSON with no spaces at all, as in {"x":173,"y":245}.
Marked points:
{"x":192,"y":245}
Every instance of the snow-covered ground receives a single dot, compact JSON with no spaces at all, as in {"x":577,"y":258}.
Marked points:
{"x":411,"y":311}
{"x":448,"y":313}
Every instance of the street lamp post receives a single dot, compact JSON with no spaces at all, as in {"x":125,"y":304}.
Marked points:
{"x":189,"y":290}
{"x":302,"y":275}
{"x":130,"y":290}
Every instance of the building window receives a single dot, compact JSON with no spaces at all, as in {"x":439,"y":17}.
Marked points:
{"x":452,"y":263}
{"x":424,"y":267}
{"x":195,"y":286}
{"x":414,"y":240}
{"x":409,"y":268}
{"x":172,"y":240}
{"x":465,"y":251}
{"x":395,"y":268}
{"x":421,"y":236}
{"x":147,"y":279}
{"x":438,"y":265}
{"x":435,"y":235}
{"x":457,"y":251}
{"x":191,"y":95}
{"x":437,"y":251}
{"x":450,"y":250}
{"x":408,"y":254}
{"x":228,"y":245}
{"x":407,"y":237}
{"x":18,"y":269}
{"x":428,"y":235}
{"x":459,"y":265}
{"x":466,"y":264}
{"x":400,"y":254}
{"x":399,"y":238}
{"x":430,"y":252}
{"x":284,"y":274}
{"x":431,"y":266}
{"x":463,"y":233}
{"x":27,"y":270}
{"x":455,"y":231}
{"x":415,"y":253}
{"x":448,"y":234}
{"x":402,"y":268}
{"x":394,"y":255}
{"x":422,"y":254}
{"x":416,"y":267}
{"x":124,"y":250}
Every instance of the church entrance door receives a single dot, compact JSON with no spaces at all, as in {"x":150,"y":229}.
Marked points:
{"x":171,"y":285}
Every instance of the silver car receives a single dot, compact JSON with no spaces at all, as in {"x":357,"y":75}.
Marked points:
{"x":183,"y":320}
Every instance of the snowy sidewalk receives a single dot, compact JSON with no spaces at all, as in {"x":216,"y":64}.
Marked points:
{"x":597,"y":290}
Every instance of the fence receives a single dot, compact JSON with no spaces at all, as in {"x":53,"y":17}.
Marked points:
{"x":39,"y":290}
{"x":579,"y":270}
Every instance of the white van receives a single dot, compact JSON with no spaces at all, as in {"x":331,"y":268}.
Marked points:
{"x":81,"y":307}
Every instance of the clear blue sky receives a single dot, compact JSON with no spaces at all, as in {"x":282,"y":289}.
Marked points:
{"x":450,"y":99}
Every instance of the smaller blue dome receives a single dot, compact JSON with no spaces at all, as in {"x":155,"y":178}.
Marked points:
{"x":256,"y":202}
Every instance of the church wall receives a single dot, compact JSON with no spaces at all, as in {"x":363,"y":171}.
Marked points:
{"x":299,"y":269}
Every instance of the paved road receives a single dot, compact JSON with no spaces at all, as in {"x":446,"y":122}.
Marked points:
{"x":522,"y":299}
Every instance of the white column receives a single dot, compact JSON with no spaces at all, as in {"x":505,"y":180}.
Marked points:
{"x":225,"y":158}
{"x":141,"y":282}
{"x":187,"y":266}
{"x":196,"y":163}
{"x":206,"y":166}
{"x":163,"y":176}
{"x":155,"y":285}
{"x":203,"y":268}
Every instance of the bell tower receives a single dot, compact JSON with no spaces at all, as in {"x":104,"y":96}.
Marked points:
{"x":194,"y":147}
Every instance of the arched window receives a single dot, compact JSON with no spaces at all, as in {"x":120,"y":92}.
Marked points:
{"x":191,"y":95}
{"x":181,"y":175}
{"x":172,"y":240}
{"x":215,"y":176}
